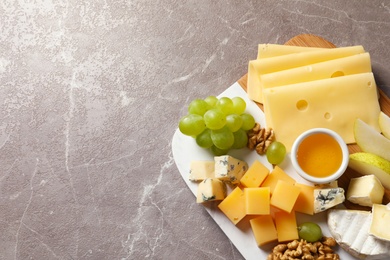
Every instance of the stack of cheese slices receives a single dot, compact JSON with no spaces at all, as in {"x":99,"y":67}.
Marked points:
{"x":306,"y":87}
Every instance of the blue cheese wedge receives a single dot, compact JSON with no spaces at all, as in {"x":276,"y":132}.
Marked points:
{"x":229,"y":169}
{"x":211,"y":190}
{"x":380,"y":222}
{"x":200,"y":170}
{"x":327,"y":198}
{"x":350,"y":229}
{"x":365,"y":191}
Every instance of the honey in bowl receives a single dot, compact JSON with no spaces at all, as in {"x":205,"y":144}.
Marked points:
{"x":319,"y":155}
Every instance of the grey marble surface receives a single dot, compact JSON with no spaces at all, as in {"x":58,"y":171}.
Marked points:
{"x":91,"y":93}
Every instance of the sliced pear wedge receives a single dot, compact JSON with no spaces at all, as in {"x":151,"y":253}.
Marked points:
{"x":370,"y":140}
{"x":384,"y":124}
{"x":368,"y":163}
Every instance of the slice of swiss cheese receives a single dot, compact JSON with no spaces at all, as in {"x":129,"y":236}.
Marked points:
{"x":359,"y":63}
{"x":267,"y":50}
{"x":331,"y":103}
{"x":256,"y":68}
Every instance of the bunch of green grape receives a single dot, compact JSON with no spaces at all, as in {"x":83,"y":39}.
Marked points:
{"x":219,"y":124}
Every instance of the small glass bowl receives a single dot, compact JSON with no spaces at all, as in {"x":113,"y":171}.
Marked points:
{"x":329,"y":178}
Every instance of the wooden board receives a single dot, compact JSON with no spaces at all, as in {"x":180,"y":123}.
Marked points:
{"x":309,"y":40}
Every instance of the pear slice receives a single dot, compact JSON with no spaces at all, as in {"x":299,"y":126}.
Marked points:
{"x":370,"y":140}
{"x":384,"y":124}
{"x":368,"y":163}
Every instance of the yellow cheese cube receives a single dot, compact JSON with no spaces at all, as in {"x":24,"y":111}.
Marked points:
{"x":255,"y":175}
{"x":276,"y":174}
{"x":266,"y":50}
{"x":359,"y":63}
{"x":200,"y":170}
{"x":305,"y":200}
{"x":233,"y":206}
{"x":286,"y":226}
{"x":285,"y":196}
{"x":256,"y":68}
{"x":329,"y":103}
{"x":263,"y":229}
{"x":257,"y":201}
{"x":211,"y":190}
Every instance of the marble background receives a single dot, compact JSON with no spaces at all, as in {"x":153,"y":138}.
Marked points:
{"x":91,"y":93}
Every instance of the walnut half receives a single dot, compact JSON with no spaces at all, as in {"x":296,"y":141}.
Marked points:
{"x":260,"y":138}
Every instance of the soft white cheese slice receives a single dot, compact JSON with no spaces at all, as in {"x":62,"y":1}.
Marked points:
{"x":365,"y":191}
{"x":350,"y":228}
{"x":380,"y":222}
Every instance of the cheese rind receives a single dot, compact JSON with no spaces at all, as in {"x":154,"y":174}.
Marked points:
{"x":329,"y":103}
{"x":359,"y":63}
{"x":255,"y":175}
{"x":200,"y":170}
{"x":350,"y":228}
{"x":380,"y":222}
{"x":365,"y":191}
{"x":256,"y":68}
{"x":229,"y":169}
{"x":211,"y":190}
{"x":327,"y":198}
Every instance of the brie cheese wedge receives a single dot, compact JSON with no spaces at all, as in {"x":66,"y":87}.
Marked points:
{"x":350,"y":229}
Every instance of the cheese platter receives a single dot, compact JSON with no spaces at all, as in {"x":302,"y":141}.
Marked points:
{"x":185,"y":150}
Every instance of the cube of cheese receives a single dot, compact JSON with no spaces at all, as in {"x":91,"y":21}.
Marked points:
{"x":211,"y":190}
{"x":380,"y":222}
{"x":263,"y":229}
{"x":305,"y":200}
{"x":200,"y":170}
{"x":285,"y":195}
{"x":233,"y":206}
{"x":286,"y":226}
{"x":365,"y":191}
{"x":276,"y":174}
{"x":327,"y":198}
{"x":255,"y":175}
{"x":229,"y":169}
{"x":257,"y":201}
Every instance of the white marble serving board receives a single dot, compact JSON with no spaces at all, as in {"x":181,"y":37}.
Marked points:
{"x":186,"y":150}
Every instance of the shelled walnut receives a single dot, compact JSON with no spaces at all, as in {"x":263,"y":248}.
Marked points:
{"x":300,"y":249}
{"x":260,"y":138}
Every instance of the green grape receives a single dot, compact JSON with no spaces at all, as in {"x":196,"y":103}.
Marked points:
{"x":211,"y":101}
{"x":214,"y":119}
{"x":309,"y":231}
{"x":204,"y":139}
{"x":218,"y":152}
{"x":192,"y":124}
{"x":198,"y":106}
{"x":276,"y":152}
{"x":240,"y":139}
{"x":239,"y":105}
{"x":222,"y":138}
{"x":225,"y":104}
{"x":234,"y":122}
{"x":248,"y":121}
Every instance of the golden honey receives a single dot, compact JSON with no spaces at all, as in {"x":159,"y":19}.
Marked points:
{"x":319,"y":155}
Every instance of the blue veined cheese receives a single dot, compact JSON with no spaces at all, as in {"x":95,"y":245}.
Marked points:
{"x":211,"y":190}
{"x":350,"y":229}
{"x":229,"y":169}
{"x":327,"y":198}
{"x":200,"y":170}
